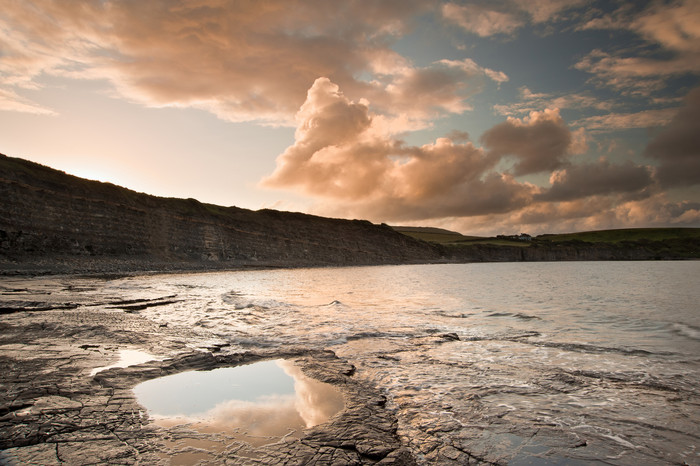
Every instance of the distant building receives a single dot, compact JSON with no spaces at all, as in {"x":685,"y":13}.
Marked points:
{"x":520,"y":237}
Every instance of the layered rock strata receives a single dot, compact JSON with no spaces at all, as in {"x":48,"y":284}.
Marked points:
{"x":62,"y":223}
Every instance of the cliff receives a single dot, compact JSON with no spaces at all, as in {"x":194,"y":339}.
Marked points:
{"x":57,"y":223}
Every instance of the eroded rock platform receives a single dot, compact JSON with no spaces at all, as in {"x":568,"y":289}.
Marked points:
{"x":54,"y":410}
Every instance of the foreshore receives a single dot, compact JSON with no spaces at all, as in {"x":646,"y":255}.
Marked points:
{"x":53,"y":410}
{"x":115,"y":267}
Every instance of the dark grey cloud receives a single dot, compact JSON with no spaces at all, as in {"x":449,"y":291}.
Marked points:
{"x":540,"y":142}
{"x":594,"y":179}
{"x":677,"y":147}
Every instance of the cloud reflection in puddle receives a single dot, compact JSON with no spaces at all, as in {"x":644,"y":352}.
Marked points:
{"x":258,"y":403}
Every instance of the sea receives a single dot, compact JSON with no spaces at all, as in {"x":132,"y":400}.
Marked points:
{"x":512,"y":363}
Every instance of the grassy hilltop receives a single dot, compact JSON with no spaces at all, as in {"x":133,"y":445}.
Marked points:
{"x":677,"y":243}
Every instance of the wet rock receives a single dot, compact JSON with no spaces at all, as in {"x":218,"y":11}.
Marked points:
{"x":52,"y":411}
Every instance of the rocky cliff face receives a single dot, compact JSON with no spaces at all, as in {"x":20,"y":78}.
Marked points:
{"x":64,"y":222}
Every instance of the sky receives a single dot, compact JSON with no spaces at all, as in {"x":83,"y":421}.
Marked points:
{"x":483,"y":117}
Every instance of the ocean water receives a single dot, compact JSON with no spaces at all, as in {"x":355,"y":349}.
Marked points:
{"x":518,"y":363}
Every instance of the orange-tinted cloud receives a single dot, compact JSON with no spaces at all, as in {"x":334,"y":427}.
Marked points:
{"x":671,"y":26}
{"x":487,"y":19}
{"x":347,"y":158}
{"x":530,"y":102}
{"x":243,"y":61}
{"x":343,"y":152}
{"x":483,"y":20}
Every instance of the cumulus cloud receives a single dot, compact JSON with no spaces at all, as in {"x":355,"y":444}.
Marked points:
{"x":366,"y":170}
{"x":539,"y":142}
{"x":334,"y":153}
{"x":677,"y":147}
{"x":344,"y":157}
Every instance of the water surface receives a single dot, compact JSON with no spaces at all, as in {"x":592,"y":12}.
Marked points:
{"x":555,"y":363}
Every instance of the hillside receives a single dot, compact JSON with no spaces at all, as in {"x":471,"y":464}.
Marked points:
{"x":624,"y":234}
{"x":434,"y":235}
{"x":620,"y":244}
{"x":51,"y":222}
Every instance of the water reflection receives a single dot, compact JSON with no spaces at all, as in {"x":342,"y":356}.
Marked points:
{"x":257,"y":404}
{"x":127,"y":358}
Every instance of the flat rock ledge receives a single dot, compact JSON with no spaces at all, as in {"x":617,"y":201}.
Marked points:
{"x":54,"y":412}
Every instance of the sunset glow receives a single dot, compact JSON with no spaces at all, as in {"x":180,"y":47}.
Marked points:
{"x":478,"y":116}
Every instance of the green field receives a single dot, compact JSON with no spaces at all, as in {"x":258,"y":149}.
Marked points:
{"x":452,"y":238}
{"x":626,"y":234}
{"x":435,"y":235}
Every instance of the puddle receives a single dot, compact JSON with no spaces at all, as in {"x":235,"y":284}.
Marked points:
{"x":250,"y":405}
{"x":127,"y":358}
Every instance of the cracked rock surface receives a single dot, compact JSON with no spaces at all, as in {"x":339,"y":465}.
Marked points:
{"x":54,"y":410}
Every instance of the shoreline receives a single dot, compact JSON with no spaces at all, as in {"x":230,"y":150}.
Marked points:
{"x":115,"y":269}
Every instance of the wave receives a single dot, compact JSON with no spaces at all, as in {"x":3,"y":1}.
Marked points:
{"x":517,"y":315}
{"x":686,"y":330}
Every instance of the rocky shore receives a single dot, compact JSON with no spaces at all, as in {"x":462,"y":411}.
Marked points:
{"x":53,"y":410}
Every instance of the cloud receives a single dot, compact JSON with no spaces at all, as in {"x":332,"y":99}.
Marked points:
{"x":425,"y":92}
{"x":344,"y":157}
{"x":677,"y":147}
{"x":531,"y":101}
{"x":618,"y":121}
{"x":241,"y":61}
{"x":674,"y":26}
{"x":548,"y":10}
{"x":592,"y":213}
{"x":482,"y":20}
{"x":671,"y":26}
{"x":539,"y":142}
{"x":342,"y":152}
{"x":487,"y":19}
{"x":335,"y":153}
{"x":13,"y":102}
{"x":594,"y":179}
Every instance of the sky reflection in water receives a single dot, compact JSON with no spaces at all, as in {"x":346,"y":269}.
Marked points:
{"x":257,"y":403}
